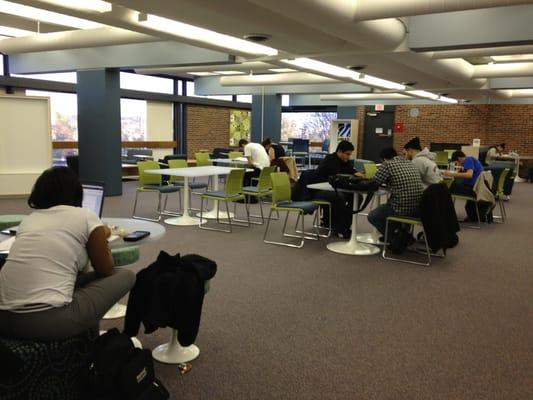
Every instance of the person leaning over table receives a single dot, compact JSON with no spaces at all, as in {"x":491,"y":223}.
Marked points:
{"x":493,"y":152}
{"x":341,"y":203}
{"x":405,"y":185}
{"x":424,"y":161}
{"x":43,"y":293}
{"x":465,"y":180}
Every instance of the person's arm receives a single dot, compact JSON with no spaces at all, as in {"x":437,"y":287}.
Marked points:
{"x":469,"y":173}
{"x":248,"y":155}
{"x":98,"y":251}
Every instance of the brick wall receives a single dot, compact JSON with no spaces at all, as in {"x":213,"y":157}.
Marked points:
{"x":512,"y":124}
{"x":207,"y":128}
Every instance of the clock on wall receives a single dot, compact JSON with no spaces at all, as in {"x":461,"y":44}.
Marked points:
{"x":414,"y":112}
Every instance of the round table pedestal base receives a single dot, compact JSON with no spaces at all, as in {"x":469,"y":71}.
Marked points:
{"x":369,"y":238}
{"x":213,"y":214}
{"x":354,"y":248}
{"x":117,"y":311}
{"x":184,"y":220}
{"x":173,"y":353}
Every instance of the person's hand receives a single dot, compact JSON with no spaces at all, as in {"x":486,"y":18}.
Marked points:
{"x":448,"y":173}
{"x":359,"y":174}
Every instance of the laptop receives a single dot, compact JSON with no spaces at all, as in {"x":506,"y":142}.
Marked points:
{"x":93,"y":197}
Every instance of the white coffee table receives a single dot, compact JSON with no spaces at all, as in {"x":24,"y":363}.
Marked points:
{"x":186,"y":219}
{"x":352,"y":246}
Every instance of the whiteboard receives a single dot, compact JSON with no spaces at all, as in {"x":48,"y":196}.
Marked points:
{"x":25,"y":142}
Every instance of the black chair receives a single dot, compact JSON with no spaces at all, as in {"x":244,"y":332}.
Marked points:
{"x":73,"y":163}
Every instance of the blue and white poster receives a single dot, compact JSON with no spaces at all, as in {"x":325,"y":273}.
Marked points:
{"x":345,"y":130}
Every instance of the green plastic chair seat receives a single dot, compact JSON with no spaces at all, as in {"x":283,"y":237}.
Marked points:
{"x":307,"y":207}
{"x":255,"y":190}
{"x":406,"y":220}
{"x":125,"y":255}
{"x":221,"y":194}
{"x":161,"y":188}
{"x":9,"y":220}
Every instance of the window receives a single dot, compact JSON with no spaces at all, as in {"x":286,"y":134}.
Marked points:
{"x":1,"y":62}
{"x":133,"y":120}
{"x":179,"y":87}
{"x":190,"y":92}
{"x":146,"y":83}
{"x":240,"y":122}
{"x":306,"y":125}
{"x":68,"y":77}
{"x":285,"y":100}
{"x":244,"y":98}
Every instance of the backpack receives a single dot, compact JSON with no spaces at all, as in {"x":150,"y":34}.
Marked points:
{"x":121,"y":371}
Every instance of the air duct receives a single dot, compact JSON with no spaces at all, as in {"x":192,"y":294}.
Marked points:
{"x":482,"y":52}
{"x":106,"y":36}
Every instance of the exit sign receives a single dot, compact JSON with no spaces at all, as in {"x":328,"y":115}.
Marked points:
{"x":380,"y":107}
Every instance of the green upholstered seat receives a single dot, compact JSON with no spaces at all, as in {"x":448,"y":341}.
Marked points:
{"x":125,"y":255}
{"x":9,"y":220}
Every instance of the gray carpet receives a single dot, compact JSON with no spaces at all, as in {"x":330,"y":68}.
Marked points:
{"x":283,"y":323}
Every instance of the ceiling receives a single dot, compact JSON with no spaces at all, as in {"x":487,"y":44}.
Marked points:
{"x":427,"y":51}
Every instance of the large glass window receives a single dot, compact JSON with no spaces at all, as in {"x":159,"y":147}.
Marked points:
{"x":146,"y":83}
{"x":306,"y":125}
{"x":1,"y":63}
{"x":133,"y":120}
{"x":68,"y":77}
{"x":244,"y":98}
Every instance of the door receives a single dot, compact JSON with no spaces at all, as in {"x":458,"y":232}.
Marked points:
{"x":379,"y":127}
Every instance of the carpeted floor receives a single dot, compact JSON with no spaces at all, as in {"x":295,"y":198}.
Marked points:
{"x":282,"y":323}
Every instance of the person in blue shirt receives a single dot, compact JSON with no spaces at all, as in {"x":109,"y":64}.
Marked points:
{"x":465,"y":180}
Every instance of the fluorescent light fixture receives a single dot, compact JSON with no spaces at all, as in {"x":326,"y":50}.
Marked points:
{"x":513,"y":58}
{"x":364,"y":96}
{"x":201,"y":73}
{"x":14,"y":32}
{"x":87,"y":5}
{"x":281,"y":70}
{"x":333,"y":70}
{"x":423,"y":93}
{"x":207,"y":36}
{"x":38,"y":14}
{"x":230,"y":72}
{"x":448,"y":100}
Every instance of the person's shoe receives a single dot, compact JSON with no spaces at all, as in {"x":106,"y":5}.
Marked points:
{"x":344,"y":234}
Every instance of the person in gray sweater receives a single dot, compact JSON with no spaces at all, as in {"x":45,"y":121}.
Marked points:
{"x":424,"y":161}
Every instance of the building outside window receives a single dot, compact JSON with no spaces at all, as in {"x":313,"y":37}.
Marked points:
{"x":133,"y":120}
{"x":306,"y":125}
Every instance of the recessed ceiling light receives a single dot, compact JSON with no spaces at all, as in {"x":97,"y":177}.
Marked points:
{"x":257,"y":37}
{"x":409,"y":83}
{"x":356,"y":67}
{"x":191,"y":32}
{"x":38,"y":14}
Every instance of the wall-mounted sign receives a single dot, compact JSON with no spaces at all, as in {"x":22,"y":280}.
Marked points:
{"x":476,"y":142}
{"x":379,"y":107}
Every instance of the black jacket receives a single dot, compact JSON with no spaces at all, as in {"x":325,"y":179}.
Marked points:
{"x":438,"y":216}
{"x":170,"y":292}
{"x":333,"y":165}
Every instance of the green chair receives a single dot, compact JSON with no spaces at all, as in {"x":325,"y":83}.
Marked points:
{"x":281,"y":201}
{"x":412,"y":222}
{"x":231,"y":193}
{"x":9,"y":220}
{"x":441,"y":158}
{"x":263,"y":189}
{"x":469,"y":198}
{"x":202,"y":159}
{"x":328,"y":229}
{"x":499,"y":195}
{"x":151,"y":183}
{"x":235,"y":154}
{"x":370,"y":170}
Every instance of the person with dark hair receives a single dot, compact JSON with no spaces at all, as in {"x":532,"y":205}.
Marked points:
{"x":45,"y":294}
{"x":405,"y":185}
{"x":274,"y":150}
{"x":341,"y":204}
{"x":465,"y":180}
{"x":493,"y":152}
{"x":424,"y":161}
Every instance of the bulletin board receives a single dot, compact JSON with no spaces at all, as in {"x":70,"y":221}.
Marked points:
{"x":25,"y":142}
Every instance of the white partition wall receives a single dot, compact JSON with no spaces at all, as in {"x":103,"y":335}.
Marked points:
{"x":25,"y":142}
{"x":159,"y":125}
{"x":343,"y":129}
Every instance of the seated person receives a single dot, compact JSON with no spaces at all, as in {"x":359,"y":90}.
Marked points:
{"x":493,"y":152}
{"x":424,"y":161}
{"x":404,"y":182}
{"x":465,"y":180}
{"x":257,"y":157}
{"x":341,"y":203}
{"x":43,"y":293}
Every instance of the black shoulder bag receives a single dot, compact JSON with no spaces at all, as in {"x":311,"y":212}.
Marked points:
{"x":355,"y":184}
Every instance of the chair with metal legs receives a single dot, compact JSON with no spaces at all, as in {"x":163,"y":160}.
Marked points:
{"x":151,"y":183}
{"x":412,"y":222}
{"x":499,"y":195}
{"x":281,"y":201}
{"x":263,"y":189}
{"x":231,"y":193}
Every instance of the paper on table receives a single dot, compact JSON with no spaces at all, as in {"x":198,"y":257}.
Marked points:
{"x":6,"y":244}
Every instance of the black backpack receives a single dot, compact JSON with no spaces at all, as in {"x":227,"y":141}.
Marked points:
{"x":121,"y":371}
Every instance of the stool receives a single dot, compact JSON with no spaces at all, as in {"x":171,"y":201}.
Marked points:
{"x":56,"y":369}
{"x":412,"y":222}
{"x":9,"y":220}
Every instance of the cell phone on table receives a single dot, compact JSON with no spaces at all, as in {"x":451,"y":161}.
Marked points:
{"x":135,"y":236}
{"x":10,"y":231}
